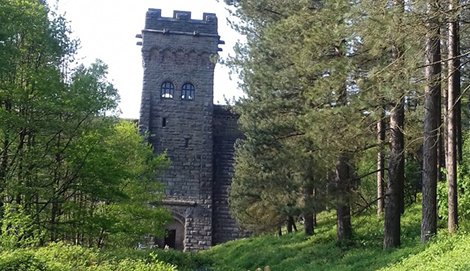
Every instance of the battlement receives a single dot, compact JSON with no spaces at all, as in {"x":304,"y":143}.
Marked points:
{"x":181,"y":22}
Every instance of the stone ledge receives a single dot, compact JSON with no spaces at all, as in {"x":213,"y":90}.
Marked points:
{"x":178,"y":202}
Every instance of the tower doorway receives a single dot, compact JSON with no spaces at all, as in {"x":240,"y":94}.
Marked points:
{"x":170,"y":239}
{"x":174,"y":236}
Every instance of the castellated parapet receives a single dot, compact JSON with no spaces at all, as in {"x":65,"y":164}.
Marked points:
{"x":181,"y":22}
{"x":177,"y":110}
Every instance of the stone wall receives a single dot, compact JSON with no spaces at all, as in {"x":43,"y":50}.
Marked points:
{"x":197,"y":136}
{"x":174,"y":50}
{"x":226,"y":132}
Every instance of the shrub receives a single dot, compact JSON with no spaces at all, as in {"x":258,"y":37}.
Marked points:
{"x":184,"y":261}
{"x":21,"y":260}
{"x":60,"y":257}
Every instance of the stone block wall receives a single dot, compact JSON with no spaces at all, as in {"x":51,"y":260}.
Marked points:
{"x":197,"y":136}
{"x":226,"y":132}
{"x":179,"y":50}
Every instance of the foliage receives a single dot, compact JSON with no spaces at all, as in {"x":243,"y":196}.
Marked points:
{"x":317,"y":76}
{"x":319,"y":252}
{"x":463,"y":186}
{"x":296,"y":251}
{"x":60,"y":257}
{"x":447,"y":252}
{"x":68,"y":168}
{"x":16,"y":228}
{"x":184,"y":261}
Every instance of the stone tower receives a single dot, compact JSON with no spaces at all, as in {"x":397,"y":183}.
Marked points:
{"x":177,"y":109}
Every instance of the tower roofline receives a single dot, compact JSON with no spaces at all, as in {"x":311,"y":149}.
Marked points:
{"x":181,"y":22}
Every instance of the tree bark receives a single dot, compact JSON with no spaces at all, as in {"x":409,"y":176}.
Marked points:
{"x":430,"y":125}
{"x":290,"y":222}
{"x":458,"y":93}
{"x":380,"y":166}
{"x":308,"y":215}
{"x":343,"y":211}
{"x":394,"y":195}
{"x":394,"y":200}
{"x":451,"y":157}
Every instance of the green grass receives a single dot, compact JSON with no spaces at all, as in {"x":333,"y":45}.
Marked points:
{"x":320,"y":252}
{"x":289,"y":252}
{"x":62,"y":257}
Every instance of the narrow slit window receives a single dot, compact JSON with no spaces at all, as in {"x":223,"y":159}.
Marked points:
{"x":167,"y":91}
{"x":163,"y":122}
{"x":187,"y":92}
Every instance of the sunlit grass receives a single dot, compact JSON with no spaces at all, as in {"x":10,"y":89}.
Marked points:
{"x":296,"y":251}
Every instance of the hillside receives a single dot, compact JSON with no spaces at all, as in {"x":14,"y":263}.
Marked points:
{"x":320,"y":252}
{"x":290,"y":252}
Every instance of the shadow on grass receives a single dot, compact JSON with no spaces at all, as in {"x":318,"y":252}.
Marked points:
{"x":320,"y":252}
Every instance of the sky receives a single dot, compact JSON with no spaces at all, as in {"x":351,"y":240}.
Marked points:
{"x":107,"y":29}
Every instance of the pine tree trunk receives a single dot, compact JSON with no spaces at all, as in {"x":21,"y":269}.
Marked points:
{"x":380,"y":167}
{"x":309,"y":224}
{"x":430,"y":125}
{"x":294,"y":227}
{"x":290,"y":221}
{"x":343,"y":211}
{"x":343,"y":223}
{"x":458,"y":93}
{"x":451,"y":163}
{"x":394,"y":199}
{"x":308,"y":211}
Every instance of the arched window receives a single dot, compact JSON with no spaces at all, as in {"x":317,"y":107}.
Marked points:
{"x":167,"y":91}
{"x":187,"y":92}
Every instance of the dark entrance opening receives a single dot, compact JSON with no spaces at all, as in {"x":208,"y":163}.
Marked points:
{"x":170,"y":239}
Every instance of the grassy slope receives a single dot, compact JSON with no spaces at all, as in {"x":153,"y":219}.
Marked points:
{"x":320,"y":252}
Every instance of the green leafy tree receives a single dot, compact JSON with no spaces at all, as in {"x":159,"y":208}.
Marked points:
{"x":65,"y":161}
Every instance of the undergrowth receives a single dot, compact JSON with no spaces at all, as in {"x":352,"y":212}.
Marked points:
{"x":298,"y":252}
{"x":61,"y":257}
{"x":290,"y":252}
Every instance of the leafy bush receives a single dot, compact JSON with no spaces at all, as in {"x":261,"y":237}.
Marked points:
{"x":184,"y":261}
{"x":60,"y":257}
{"x":16,"y":228}
{"x":21,"y":260}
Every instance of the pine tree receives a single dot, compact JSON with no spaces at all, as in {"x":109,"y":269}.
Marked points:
{"x":431,"y":120}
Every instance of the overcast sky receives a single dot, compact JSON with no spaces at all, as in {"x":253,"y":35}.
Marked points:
{"x":107,"y":29}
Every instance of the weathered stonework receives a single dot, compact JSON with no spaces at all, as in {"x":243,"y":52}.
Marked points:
{"x":197,"y":135}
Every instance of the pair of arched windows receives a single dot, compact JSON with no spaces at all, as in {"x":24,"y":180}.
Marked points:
{"x":167,"y":91}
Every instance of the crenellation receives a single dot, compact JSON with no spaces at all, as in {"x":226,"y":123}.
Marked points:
{"x":181,"y":23}
{"x":181,"y":15}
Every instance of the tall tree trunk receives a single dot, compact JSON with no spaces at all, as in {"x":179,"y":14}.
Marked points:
{"x":458,"y":93}
{"x":451,"y":161}
{"x":380,"y":166}
{"x":290,"y":221}
{"x":430,"y":125}
{"x":308,"y":212}
{"x":343,"y":210}
{"x":394,"y":198}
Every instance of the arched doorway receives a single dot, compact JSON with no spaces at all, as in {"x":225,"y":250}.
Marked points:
{"x":174,"y":236}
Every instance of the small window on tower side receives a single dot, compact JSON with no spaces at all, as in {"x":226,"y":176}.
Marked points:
{"x":187,"y":92}
{"x":167,"y":91}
